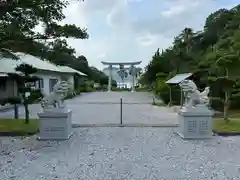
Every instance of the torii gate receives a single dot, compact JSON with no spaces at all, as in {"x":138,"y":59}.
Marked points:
{"x":121,"y":64}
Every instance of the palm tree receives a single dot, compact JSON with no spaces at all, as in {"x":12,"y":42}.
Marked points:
{"x":123,"y":74}
{"x":186,"y":36}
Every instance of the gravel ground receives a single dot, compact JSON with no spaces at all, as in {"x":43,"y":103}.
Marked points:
{"x":120,"y":153}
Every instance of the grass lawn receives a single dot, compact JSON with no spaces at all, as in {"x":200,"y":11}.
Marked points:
{"x":158,"y":104}
{"x":233,"y":126}
{"x":18,"y":127}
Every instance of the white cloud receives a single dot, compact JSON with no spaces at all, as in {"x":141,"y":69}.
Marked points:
{"x":146,"y":39}
{"x":76,"y":14}
{"x":178,"y":8}
{"x":101,"y":55}
{"x":129,"y":30}
{"x":118,"y":13}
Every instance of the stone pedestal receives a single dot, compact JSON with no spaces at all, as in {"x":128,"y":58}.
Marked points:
{"x":55,"y":124}
{"x":195,"y":122}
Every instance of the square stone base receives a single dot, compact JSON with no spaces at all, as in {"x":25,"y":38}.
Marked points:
{"x":195,"y":123}
{"x":44,"y":138}
{"x":192,"y":136}
{"x":55,"y":125}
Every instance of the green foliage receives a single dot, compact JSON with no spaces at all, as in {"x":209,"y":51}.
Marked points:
{"x":164,"y":93}
{"x":18,"y":127}
{"x":13,"y":100}
{"x":142,"y":89}
{"x":114,"y":83}
{"x":120,"y":89}
{"x":211,"y":54}
{"x":35,"y":96}
{"x":123,"y":74}
{"x":70,"y":95}
{"x":27,"y":70}
{"x":98,"y":76}
{"x":170,"y":94}
{"x":85,"y":88}
{"x":24,"y":81}
{"x":3,"y":101}
{"x":117,"y":89}
{"x":18,"y":20}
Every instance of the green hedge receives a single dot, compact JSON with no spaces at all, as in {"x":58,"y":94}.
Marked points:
{"x":142,"y":89}
{"x":35,"y":96}
{"x":235,"y":103}
{"x":163,"y":92}
{"x":120,"y":89}
{"x":14,"y":100}
{"x":85,"y":89}
{"x":70,"y":95}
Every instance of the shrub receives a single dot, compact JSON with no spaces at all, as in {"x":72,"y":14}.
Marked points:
{"x":14,"y":100}
{"x":70,"y":96}
{"x":78,"y":92}
{"x":142,"y":89}
{"x":235,"y":103}
{"x":217,"y":104}
{"x":85,"y":89}
{"x":116,"y":89}
{"x":35,"y":96}
{"x":163,"y":92}
{"x":2,"y":102}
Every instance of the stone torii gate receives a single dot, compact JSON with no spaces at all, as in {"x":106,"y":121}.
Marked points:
{"x":110,"y":64}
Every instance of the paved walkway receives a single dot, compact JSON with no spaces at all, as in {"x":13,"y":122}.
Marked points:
{"x":121,"y":153}
{"x":101,"y":108}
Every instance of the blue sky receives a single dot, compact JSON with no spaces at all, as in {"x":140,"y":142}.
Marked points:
{"x":132,"y":30}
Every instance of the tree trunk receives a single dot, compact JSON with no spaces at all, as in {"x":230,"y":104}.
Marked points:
{"x":187,"y":48}
{"x":26,"y":112}
{"x":16,"y":113}
{"x":170,"y":97}
{"x":226,"y":107}
{"x":226,"y":102}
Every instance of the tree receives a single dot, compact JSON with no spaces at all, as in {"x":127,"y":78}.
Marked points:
{"x":18,"y":19}
{"x":211,"y":54}
{"x":223,"y":62}
{"x":123,"y":74}
{"x":24,"y":81}
{"x":114,"y":83}
{"x":186,"y":36}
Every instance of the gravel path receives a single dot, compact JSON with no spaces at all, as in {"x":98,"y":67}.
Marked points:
{"x":104,"y":108}
{"x":120,"y":153}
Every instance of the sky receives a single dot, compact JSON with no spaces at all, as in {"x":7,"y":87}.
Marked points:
{"x":132,"y":30}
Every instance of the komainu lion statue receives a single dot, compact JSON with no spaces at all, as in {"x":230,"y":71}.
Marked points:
{"x":56,"y":98}
{"x":192,"y":95}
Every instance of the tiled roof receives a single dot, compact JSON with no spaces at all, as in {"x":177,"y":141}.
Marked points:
{"x":9,"y":65}
{"x":67,"y":69}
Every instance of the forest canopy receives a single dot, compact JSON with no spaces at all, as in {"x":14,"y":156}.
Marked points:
{"x":213,"y":55}
{"x":18,"y":22}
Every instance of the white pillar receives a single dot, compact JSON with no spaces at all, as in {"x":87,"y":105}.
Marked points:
{"x":133,"y":76}
{"x":110,"y":78}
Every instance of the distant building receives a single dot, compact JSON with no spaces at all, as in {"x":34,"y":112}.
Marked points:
{"x":126,"y":83}
{"x":48,"y":74}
